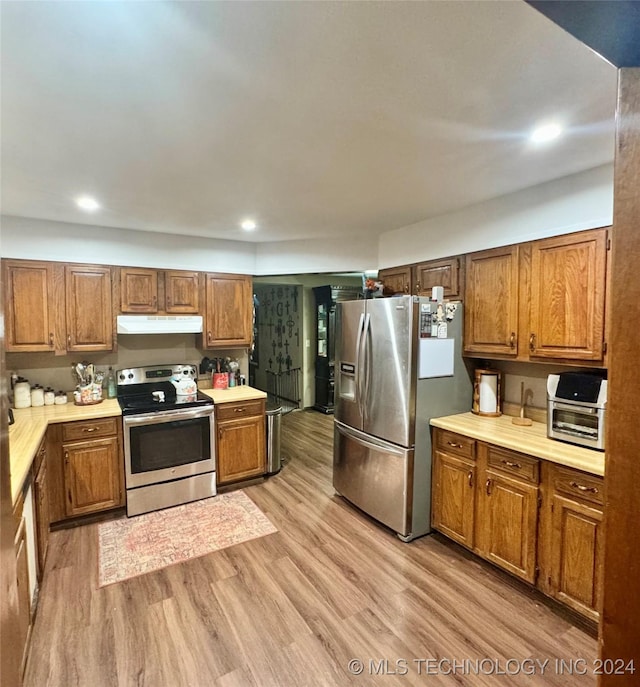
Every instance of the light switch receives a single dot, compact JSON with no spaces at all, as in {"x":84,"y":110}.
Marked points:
{"x":307,"y":343}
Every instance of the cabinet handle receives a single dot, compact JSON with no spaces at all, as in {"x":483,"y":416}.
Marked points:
{"x":239,"y":410}
{"x":512,"y":340}
{"x":90,"y":429}
{"x":509,"y":464}
{"x":470,"y":478}
{"x":51,"y":339}
{"x":154,"y":300}
{"x":532,"y":342}
{"x":582,"y":487}
{"x":453,"y":444}
{"x":487,"y":487}
{"x":406,"y":288}
{"x":66,"y":456}
{"x":209,"y":336}
{"x":69,"y":495}
{"x":220,"y":432}
{"x":417,"y":286}
{"x":69,"y":340}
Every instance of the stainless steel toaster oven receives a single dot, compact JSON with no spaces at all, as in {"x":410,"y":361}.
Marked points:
{"x":577,"y":408}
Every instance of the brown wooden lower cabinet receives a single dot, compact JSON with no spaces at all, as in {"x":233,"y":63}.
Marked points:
{"x":22,"y":581}
{"x":240,"y":444}
{"x":571,"y":567}
{"x":539,"y":521}
{"x":85,"y":468}
{"x":454,"y":492}
{"x":41,"y":499}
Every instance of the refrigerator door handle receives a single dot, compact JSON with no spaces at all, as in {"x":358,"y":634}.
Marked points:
{"x":357,"y":363}
{"x":368,"y":440}
{"x":366,"y":362}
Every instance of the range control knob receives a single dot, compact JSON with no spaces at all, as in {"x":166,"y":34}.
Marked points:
{"x":121,"y":376}
{"x":130,"y":375}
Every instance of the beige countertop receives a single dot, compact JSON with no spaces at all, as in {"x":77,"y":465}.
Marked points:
{"x":530,"y":440}
{"x":236,"y":393}
{"x":31,"y":424}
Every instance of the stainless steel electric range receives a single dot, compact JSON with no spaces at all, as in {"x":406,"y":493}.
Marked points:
{"x":169,"y":440}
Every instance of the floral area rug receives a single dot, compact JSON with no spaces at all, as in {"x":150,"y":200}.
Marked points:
{"x":135,"y":546}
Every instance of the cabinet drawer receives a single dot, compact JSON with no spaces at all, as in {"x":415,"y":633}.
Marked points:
{"x":455,"y":443}
{"x":578,"y":485}
{"x":232,"y":411}
{"x":512,"y":463}
{"x":88,"y":429}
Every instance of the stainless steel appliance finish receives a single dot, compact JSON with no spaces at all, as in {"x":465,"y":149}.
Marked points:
{"x":395,"y":370}
{"x":576,"y":409}
{"x":169,"y":440}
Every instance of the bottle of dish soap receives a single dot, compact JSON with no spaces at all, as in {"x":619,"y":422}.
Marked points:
{"x":111,"y":383}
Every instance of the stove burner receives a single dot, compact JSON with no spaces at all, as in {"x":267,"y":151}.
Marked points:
{"x":137,"y":394}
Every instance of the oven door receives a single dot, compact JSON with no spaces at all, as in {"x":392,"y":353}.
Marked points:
{"x":168,"y":445}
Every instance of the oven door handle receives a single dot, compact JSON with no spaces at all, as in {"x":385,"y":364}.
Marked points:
{"x":167,"y":416}
{"x":575,"y":409}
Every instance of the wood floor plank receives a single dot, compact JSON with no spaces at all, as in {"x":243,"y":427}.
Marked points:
{"x":294,"y":607}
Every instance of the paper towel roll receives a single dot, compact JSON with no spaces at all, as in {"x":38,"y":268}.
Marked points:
{"x":488,"y":394}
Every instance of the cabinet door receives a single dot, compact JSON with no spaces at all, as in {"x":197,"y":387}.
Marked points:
{"x":138,"y":290}
{"x":24,"y":597}
{"x":89,"y":308}
{"x":241,"y":449}
{"x":181,"y":292}
{"x":439,"y":273}
{"x":567,"y":296}
{"x":41,"y":495}
{"x":453,"y":505}
{"x":92,"y":476}
{"x":229,"y":310}
{"x":30,"y":306}
{"x":576,"y":555}
{"x":396,"y":279}
{"x":491,"y":299}
{"x":506,"y":528}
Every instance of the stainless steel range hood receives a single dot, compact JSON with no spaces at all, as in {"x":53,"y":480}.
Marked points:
{"x":159,"y":324}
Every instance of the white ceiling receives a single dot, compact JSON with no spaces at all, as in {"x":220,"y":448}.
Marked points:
{"x":315,"y":118}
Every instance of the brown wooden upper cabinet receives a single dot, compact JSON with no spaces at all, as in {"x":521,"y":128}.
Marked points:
{"x":568,"y":296}
{"x":419,"y":279}
{"x":444,"y":273}
{"x":31,"y":304}
{"x":396,"y":279}
{"x":89,"y":308}
{"x":228,"y":311}
{"x":542,"y":300}
{"x":55,"y":307}
{"x":491,"y":298}
{"x":152,"y":291}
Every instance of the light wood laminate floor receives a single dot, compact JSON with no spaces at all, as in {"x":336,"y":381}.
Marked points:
{"x":295,"y":607}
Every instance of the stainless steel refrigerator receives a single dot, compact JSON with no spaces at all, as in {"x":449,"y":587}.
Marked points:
{"x":398,"y":364}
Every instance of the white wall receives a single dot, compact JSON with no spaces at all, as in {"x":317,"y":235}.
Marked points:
{"x":35,"y":239}
{"x":317,"y":255}
{"x":580,"y":201}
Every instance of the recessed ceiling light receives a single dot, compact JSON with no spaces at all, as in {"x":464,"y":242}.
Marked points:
{"x":87,"y":203}
{"x":248,"y":225}
{"x":546,"y":132}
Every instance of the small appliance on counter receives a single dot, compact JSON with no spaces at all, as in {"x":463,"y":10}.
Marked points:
{"x":577,"y":407}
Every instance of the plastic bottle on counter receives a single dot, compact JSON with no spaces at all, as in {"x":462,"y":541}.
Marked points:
{"x":37,"y":396}
{"x":22,"y":393}
{"x":111,"y":384}
{"x":49,"y":396}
